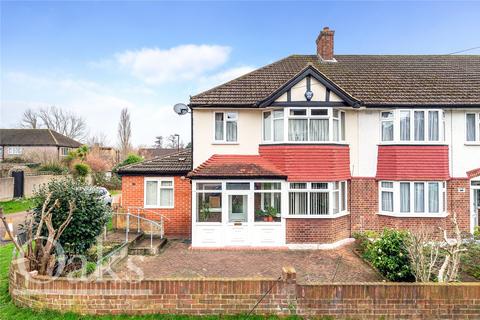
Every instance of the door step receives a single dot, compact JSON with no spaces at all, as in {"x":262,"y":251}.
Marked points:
{"x":145,"y":247}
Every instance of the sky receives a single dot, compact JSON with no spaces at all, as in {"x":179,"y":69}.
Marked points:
{"x":95,"y":58}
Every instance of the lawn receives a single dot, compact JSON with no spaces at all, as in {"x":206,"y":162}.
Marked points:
{"x":9,"y":311}
{"x":114,"y":192}
{"x":16,"y":205}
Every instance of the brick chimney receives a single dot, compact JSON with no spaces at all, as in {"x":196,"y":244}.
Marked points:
{"x":325,"y":45}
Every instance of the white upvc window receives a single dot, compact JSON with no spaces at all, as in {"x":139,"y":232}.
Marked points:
{"x":159,"y":193}
{"x":412,"y":198}
{"x":15,"y":150}
{"x":304,"y":125}
{"x":472,"y":124}
{"x":225,"y":127}
{"x":317,"y":199}
{"x":412,"y":126}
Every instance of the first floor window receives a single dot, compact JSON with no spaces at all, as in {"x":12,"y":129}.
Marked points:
{"x":473,"y":127}
{"x":412,"y":197}
{"x":413,"y":125}
{"x":317,"y":198}
{"x":226,"y":126}
{"x":159,"y":193}
{"x":387,"y":126}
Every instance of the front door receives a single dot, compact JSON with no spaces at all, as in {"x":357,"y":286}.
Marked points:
{"x":237,"y":229}
{"x":475,"y":186}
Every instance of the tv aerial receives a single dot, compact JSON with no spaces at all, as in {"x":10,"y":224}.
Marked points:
{"x":180,"y":109}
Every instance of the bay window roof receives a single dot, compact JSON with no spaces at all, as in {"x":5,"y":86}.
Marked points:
{"x":371,"y":80}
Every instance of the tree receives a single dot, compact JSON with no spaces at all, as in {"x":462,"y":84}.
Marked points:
{"x":124,"y":133}
{"x":159,"y":142}
{"x":56,"y":119}
{"x":99,"y":139}
{"x":173,"y":142}
{"x":30,"y":120}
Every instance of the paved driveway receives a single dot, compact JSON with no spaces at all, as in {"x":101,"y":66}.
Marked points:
{"x":178,"y":261}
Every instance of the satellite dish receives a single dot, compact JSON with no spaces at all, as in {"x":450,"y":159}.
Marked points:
{"x":180,"y":109}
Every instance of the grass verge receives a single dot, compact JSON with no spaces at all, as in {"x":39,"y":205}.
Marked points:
{"x":8,"y":311}
{"x":16,"y":205}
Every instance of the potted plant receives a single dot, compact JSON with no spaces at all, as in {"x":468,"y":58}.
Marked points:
{"x":204,"y":211}
{"x":271,"y":213}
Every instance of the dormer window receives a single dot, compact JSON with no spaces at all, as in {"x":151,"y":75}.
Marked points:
{"x":304,"y":125}
{"x":410,"y":126}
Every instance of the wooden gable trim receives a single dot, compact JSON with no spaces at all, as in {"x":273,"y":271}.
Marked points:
{"x":308,"y":72}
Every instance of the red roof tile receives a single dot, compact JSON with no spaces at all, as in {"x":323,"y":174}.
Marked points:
{"x":412,"y":163}
{"x":310,"y":162}
{"x":236,"y":166}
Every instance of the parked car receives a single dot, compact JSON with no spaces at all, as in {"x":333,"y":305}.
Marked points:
{"x":105,"y":195}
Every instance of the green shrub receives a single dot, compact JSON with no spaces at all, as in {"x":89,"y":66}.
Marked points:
{"x":130,"y":159}
{"x":81,"y":170}
{"x":53,"y":167}
{"x":476,"y":233}
{"x":471,"y":260}
{"x":389,"y":255}
{"x":89,"y":218}
{"x":112,"y":183}
{"x":363,"y":239}
{"x":14,"y":160}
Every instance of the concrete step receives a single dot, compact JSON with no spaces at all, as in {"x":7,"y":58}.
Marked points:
{"x":144,"y":247}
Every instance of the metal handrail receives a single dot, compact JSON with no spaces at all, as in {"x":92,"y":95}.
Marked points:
{"x":152,"y":223}
{"x":138,"y":209}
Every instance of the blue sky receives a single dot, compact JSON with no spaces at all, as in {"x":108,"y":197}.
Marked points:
{"x":94,"y":58}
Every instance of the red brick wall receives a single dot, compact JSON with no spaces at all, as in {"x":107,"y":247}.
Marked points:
{"x":179,"y":220}
{"x":229,"y":296}
{"x":364,"y":208}
{"x":317,"y":230}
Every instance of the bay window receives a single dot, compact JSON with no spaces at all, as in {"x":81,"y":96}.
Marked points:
{"x":226,"y":126}
{"x":159,"y":193}
{"x":304,"y":125}
{"x":317,"y":198}
{"x":413,"y":125}
{"x":473,"y":127}
{"x":410,"y":198}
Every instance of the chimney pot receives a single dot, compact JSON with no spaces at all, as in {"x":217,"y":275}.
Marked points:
{"x":325,"y":45}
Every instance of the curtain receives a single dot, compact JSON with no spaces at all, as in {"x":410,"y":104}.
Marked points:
{"x":433,"y":129}
{"x":298,"y":202}
{"x":419,"y":118}
{"x":335,"y":129}
{"x":318,"y":203}
{"x":298,"y":130}
{"x":419,"y":197}
{"x":387,"y":201}
{"x":267,"y":126}
{"x":404,"y":197}
{"x":342,"y":118}
{"x":343,"y":189}
{"x":278,"y":130}
{"x":166,"y":197}
{"x":231,"y":130}
{"x":151,"y":193}
{"x":433,"y":197}
{"x":219,"y":126}
{"x":387,"y":130}
{"x":404,"y":125}
{"x":471,"y":128}
{"x":319,"y":130}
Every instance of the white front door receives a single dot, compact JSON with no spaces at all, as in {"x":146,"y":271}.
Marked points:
{"x":475,"y":200}
{"x":237,"y":218}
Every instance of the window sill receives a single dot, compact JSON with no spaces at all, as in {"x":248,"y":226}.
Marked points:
{"x":412,"y":143}
{"x":224,"y":143}
{"x":472,"y":143}
{"x":413,"y":215}
{"x":342,"y":143}
{"x":155,"y":207}
{"x":326,"y":216}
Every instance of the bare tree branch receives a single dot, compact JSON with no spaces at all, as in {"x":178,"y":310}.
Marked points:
{"x":64,"y":122}
{"x":30,"y":120}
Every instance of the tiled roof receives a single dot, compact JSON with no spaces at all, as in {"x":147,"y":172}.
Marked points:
{"x":372,"y":79}
{"x":236,"y":166}
{"x":35,"y":137}
{"x":150,"y":153}
{"x":412,"y":163}
{"x":176,"y":163}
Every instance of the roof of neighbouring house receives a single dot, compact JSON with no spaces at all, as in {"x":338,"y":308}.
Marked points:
{"x":35,"y":137}
{"x":236,"y":166}
{"x":150,"y":153}
{"x":179,"y":162}
{"x":373,"y":80}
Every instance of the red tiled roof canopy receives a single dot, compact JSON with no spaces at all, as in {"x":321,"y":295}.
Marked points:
{"x":236,"y":166}
{"x":310,"y":162}
{"x":412,"y":163}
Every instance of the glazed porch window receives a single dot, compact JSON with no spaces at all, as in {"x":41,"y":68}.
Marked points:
{"x":209,"y":202}
{"x":267,"y":201}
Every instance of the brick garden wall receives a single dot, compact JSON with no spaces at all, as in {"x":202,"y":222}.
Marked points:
{"x":364,"y":208}
{"x":179,"y":218}
{"x":224,"y":296}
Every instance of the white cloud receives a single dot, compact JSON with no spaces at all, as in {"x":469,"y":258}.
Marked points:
{"x":184,"y":62}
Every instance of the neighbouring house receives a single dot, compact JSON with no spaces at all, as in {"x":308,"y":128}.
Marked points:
{"x":36,"y":145}
{"x":150,"y":153}
{"x":160,"y":187}
{"x":109,"y":154}
{"x":305,"y":151}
